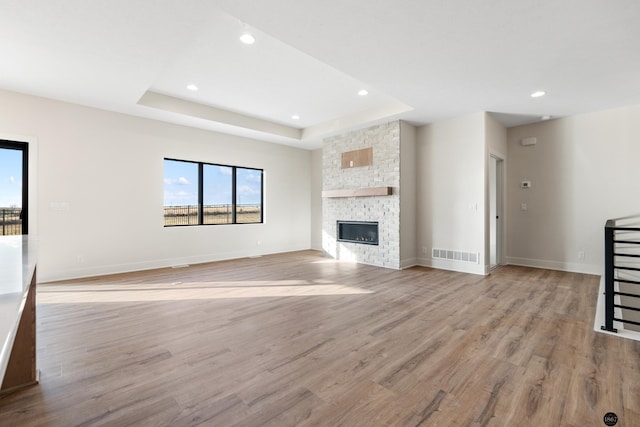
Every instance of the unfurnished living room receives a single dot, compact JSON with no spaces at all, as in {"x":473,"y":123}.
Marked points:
{"x":296,"y":213}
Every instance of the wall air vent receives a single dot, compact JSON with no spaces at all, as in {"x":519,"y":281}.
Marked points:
{"x":462,"y":256}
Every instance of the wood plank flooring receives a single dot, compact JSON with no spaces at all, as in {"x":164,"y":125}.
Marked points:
{"x":301,"y":340}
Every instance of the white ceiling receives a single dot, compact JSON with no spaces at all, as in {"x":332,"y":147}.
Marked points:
{"x":420,"y":60}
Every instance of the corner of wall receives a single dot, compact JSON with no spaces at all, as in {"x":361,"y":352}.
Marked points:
{"x":316,"y":200}
{"x":408,"y":192}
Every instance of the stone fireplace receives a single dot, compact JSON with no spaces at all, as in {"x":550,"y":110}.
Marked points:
{"x":361,"y":174}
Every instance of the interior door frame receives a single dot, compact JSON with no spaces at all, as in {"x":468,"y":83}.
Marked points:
{"x":499,"y":219}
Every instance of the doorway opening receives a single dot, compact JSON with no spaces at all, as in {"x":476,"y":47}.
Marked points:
{"x":496,"y":211}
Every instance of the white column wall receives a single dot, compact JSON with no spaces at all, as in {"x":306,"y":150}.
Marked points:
{"x":316,"y":199}
{"x":451,"y":191}
{"x":496,"y":142}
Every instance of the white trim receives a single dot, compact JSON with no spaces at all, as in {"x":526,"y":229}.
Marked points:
{"x":316,"y":247}
{"x":150,"y":265}
{"x":555,"y":265}
{"x":501,"y":187}
{"x":460,"y":267}
{"x":408,"y":263}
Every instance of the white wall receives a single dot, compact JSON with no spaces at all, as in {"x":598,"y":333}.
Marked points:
{"x":316,"y":199}
{"x":451,"y":190}
{"x":408,"y":195}
{"x":98,"y":207}
{"x":100,"y":190}
{"x":583,"y":170}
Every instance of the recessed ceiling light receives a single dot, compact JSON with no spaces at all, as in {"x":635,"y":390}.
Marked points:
{"x":295,"y":117}
{"x":247,"y":38}
{"x":538,"y":94}
{"x":192,"y":87}
{"x":363,"y":92}
{"x":545,"y":117}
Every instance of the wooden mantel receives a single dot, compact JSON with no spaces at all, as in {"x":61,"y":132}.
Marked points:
{"x":358,"y":192}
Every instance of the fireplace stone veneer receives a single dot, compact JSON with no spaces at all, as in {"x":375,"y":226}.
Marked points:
{"x":384,"y":171}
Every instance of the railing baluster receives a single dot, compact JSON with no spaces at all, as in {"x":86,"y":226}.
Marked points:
{"x":623,"y":235}
{"x":609,"y":278}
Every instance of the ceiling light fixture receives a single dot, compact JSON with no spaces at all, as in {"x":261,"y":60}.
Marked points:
{"x":295,"y":117}
{"x":192,"y":87}
{"x":545,"y":117}
{"x":363,"y":92}
{"x":247,"y":38}
{"x":538,"y":94}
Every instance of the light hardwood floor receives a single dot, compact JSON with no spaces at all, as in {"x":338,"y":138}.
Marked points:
{"x":298,"y":339}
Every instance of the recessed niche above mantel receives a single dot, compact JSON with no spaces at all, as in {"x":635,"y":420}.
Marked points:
{"x":357,"y":158}
{"x":358,"y":192}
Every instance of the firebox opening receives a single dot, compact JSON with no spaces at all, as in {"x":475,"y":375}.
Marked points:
{"x":363,"y":232}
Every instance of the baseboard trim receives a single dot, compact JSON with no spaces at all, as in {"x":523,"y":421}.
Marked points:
{"x":460,"y":267}
{"x":408,"y":263}
{"x":7,"y":391}
{"x":556,"y":265}
{"x":104,"y":270}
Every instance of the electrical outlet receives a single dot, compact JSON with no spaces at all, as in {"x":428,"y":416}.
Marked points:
{"x":580,"y":254}
{"x":424,"y":249}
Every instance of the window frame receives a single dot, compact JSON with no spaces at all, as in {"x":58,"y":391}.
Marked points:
{"x":24,"y":147}
{"x":234,"y":204}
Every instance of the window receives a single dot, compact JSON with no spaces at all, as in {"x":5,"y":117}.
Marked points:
{"x":14,"y":163}
{"x":197,"y":193}
{"x":217,"y":194}
{"x":248,"y":195}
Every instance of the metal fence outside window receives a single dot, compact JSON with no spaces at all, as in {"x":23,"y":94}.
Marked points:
{"x":10,"y":221}
{"x":213,"y":214}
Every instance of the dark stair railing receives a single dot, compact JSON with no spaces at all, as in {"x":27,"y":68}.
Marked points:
{"x":622,"y":262}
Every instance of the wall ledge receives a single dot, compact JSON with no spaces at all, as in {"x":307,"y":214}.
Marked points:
{"x":358,"y":192}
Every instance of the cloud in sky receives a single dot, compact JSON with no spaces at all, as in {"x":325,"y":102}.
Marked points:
{"x":253,"y":177}
{"x":248,"y":194}
{"x":179,"y":198}
{"x":180,"y":181}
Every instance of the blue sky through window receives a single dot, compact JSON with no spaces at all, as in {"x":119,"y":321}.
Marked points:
{"x":248,"y":186}
{"x":217,"y":185}
{"x":10,"y":178}
{"x":180,"y":183}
